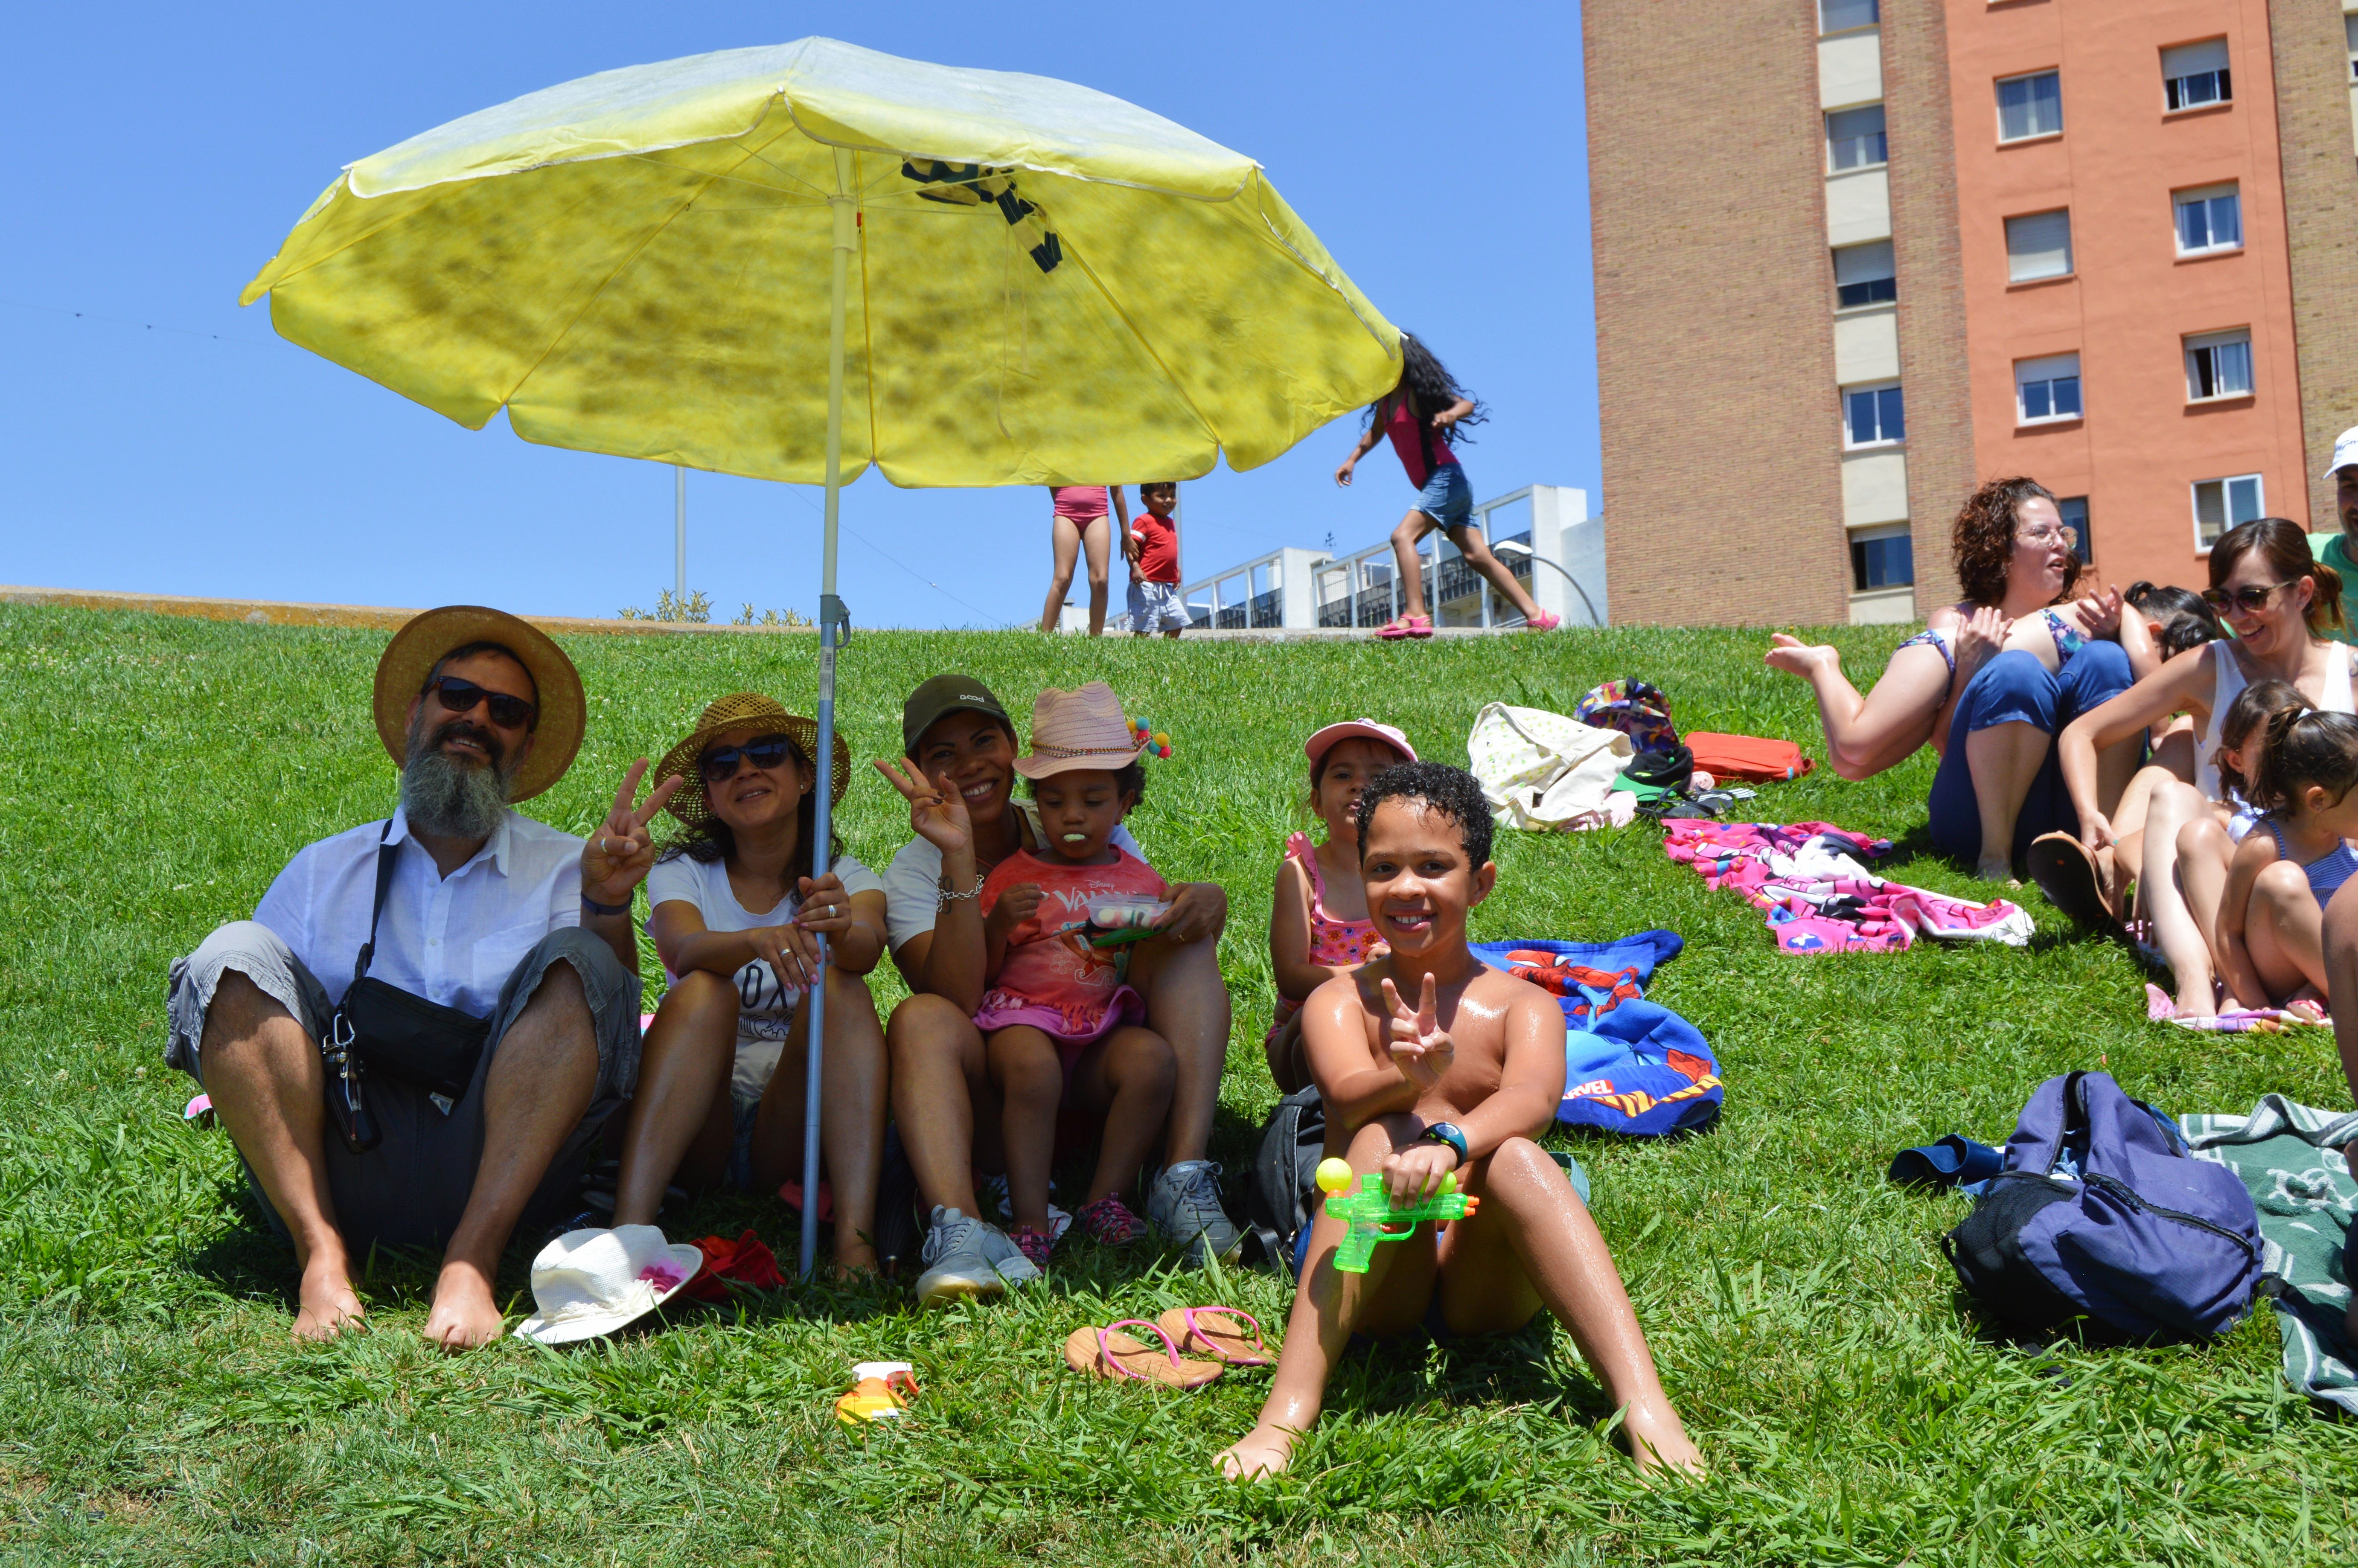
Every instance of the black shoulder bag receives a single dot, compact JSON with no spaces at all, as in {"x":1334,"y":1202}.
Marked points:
{"x":380,"y":1028}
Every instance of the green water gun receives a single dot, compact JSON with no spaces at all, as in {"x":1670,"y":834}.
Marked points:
{"x":1374,"y":1217}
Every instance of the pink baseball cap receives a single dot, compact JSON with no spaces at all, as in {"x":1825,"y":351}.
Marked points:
{"x":1319,"y":744}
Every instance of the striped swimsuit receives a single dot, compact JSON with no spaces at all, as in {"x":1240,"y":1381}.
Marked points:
{"x":2326,"y":872}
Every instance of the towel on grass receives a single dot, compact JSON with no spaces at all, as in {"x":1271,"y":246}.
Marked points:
{"x":1631,"y":1066}
{"x":2160,"y":1009}
{"x":2289,"y":1156}
{"x":1809,"y":879}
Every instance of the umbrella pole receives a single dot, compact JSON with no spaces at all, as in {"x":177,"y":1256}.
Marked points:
{"x":831,"y":619}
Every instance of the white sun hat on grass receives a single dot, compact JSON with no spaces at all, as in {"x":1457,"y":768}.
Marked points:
{"x":587,"y":1282}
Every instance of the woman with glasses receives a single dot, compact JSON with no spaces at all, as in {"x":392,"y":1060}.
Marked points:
{"x":2282,"y":604}
{"x":1990,"y":681}
{"x":737,"y":912}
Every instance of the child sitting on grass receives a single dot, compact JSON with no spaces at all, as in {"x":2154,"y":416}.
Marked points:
{"x":1059,"y":1025}
{"x":1461,"y":1081}
{"x":1318,"y":926}
{"x":2271,"y":920}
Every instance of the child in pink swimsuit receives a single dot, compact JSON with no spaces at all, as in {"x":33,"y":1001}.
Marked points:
{"x":1319,"y":924}
{"x":1060,"y":1027}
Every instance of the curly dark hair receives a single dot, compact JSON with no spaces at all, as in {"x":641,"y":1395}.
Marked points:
{"x":1451,"y":792}
{"x":1429,"y":388}
{"x":1983,"y":538}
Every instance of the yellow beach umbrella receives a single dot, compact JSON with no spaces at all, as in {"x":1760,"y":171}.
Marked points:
{"x":792,"y":262}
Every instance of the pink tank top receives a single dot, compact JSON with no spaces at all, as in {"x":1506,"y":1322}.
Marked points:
{"x":1407,"y":440}
{"x":1337,"y":944}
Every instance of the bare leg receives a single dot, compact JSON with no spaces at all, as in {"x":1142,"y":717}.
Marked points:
{"x":1031,"y":1081}
{"x":1287,"y":1067}
{"x":1477,"y":551}
{"x":263,"y":1072}
{"x":1097,"y":540}
{"x":2341,"y":927}
{"x":1865,"y":735}
{"x":2203,"y":853}
{"x":2183,"y":943}
{"x":1128,"y":1077}
{"x":540,"y":1085}
{"x":1187,"y":1004}
{"x":2283,"y":932}
{"x":680,"y":1122}
{"x":1065,"y":540}
{"x":851,"y":1117}
{"x":943,"y":1097}
{"x":2005,"y":759}
{"x":1412,"y":528}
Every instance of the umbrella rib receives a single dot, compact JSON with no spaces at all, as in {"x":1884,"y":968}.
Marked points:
{"x":1073,"y":254}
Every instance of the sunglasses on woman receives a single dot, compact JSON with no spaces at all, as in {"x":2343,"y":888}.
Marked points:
{"x":2250,"y":599}
{"x":719,"y":765}
{"x":507,"y":712}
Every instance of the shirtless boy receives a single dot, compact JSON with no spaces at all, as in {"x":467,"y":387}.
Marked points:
{"x":1461,"y":1081}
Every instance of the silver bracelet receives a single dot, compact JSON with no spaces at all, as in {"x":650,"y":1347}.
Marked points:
{"x":945,"y":896}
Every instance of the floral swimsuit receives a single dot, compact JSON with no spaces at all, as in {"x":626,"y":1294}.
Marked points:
{"x":1337,"y":944}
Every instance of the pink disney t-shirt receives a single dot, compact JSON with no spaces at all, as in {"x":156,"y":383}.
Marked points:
{"x":1052,"y":980}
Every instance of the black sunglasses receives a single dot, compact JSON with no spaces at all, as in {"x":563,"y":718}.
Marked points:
{"x":2251,"y":601}
{"x":507,"y":712}
{"x":719,"y":765}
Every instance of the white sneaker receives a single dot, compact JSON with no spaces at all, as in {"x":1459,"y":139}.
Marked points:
{"x":956,"y":1262}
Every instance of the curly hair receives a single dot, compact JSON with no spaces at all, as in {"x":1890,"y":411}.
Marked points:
{"x":1451,"y":792}
{"x":1983,"y":538}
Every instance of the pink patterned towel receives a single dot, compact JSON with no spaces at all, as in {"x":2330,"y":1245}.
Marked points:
{"x":2160,"y":1009}
{"x":1808,"y":878}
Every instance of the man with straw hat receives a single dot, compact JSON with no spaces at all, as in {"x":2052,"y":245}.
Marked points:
{"x":428,"y":1020}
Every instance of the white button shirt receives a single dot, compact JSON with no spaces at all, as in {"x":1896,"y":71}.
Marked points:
{"x":452,"y":940}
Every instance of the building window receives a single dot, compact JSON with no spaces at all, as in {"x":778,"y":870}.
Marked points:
{"x":2075,"y":509}
{"x":2210,"y":218}
{"x":1873,"y":415}
{"x":2350,"y":35}
{"x":1854,"y":138}
{"x":2029,"y":106}
{"x":2038,"y":244}
{"x":1842,"y":16}
{"x":2194,"y":76}
{"x":2220,"y":504}
{"x":1882,"y":558}
{"x":2047,"y":389}
{"x":2219,"y":364}
{"x":1864,"y":275}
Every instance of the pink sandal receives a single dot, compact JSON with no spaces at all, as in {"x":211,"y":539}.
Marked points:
{"x":1109,"y":1354}
{"x":1542,"y":622}
{"x":1226,"y":1346}
{"x":1420,"y":625}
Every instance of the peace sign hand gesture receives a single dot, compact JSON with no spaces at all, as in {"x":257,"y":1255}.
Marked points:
{"x":937,"y":811}
{"x":616,"y":858}
{"x":1421,"y":1048}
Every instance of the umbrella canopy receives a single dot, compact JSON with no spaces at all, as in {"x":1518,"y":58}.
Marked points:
{"x":1049,"y":285}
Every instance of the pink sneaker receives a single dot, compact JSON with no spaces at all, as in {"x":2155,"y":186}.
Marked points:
{"x":1035,"y":1245}
{"x":1110,"y":1223}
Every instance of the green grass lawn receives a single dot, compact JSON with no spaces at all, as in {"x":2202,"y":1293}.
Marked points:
{"x":155,"y":774}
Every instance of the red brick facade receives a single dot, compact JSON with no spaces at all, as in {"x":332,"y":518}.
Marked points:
{"x":2321,"y":187}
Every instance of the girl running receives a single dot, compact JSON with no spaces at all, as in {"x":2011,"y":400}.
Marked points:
{"x":1421,"y":414}
{"x":1078,"y":524}
{"x":2271,"y":922}
{"x":1319,"y":924}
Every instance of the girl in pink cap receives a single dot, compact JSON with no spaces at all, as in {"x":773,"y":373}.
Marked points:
{"x":1319,"y":924}
{"x":1061,"y":1027}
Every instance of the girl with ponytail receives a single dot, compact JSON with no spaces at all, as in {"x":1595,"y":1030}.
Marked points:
{"x":2271,"y":922}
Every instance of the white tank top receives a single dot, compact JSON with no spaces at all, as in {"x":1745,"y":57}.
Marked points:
{"x":2230,"y":683}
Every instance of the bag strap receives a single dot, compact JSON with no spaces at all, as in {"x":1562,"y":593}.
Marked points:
{"x":386,"y":854}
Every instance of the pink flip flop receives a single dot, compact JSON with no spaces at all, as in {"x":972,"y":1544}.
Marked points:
{"x":1227,"y":1347}
{"x":1393,"y":631}
{"x":1107,"y":1353}
{"x":1544,"y":621}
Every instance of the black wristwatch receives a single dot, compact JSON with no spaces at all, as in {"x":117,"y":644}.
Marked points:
{"x":1445,"y":1132}
{"x":594,"y":907}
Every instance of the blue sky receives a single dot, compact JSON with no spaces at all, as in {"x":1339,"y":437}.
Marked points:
{"x":164,"y":440}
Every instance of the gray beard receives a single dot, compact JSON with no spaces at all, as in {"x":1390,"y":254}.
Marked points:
{"x":448,"y":798}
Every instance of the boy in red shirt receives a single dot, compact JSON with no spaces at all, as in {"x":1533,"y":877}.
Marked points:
{"x":1152,"y":547}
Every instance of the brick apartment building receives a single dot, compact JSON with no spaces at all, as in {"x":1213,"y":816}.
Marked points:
{"x":1852,"y":257}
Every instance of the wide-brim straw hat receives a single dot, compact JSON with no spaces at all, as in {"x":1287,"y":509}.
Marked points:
{"x":418,"y":647}
{"x":1083,"y":727}
{"x":741,"y":710}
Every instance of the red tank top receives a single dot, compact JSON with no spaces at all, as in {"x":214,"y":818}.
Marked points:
{"x":1407,"y":435}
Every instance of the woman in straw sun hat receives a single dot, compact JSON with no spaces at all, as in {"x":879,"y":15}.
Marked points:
{"x":738,"y":906}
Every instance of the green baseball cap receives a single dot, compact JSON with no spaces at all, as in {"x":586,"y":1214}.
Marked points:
{"x":941,"y":697}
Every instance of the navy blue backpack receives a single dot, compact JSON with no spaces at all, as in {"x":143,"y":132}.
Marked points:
{"x":2102,"y":1211}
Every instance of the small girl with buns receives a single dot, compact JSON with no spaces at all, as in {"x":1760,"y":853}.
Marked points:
{"x":1060,"y":1026}
{"x":1319,"y":924}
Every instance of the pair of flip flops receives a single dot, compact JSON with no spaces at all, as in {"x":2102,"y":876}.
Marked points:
{"x":1219,"y":1333}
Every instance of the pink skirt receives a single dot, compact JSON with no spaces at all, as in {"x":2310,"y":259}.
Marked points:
{"x":1074,"y":1028}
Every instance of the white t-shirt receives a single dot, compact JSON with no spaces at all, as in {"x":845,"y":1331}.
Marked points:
{"x":913,"y":882}
{"x":765,"y":1008}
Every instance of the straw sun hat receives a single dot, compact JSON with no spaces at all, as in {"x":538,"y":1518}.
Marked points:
{"x":1078,"y":729}
{"x":741,"y":710}
{"x":419,"y":645}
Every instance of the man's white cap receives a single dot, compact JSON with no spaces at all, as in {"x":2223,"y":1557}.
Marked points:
{"x":2345,"y":452}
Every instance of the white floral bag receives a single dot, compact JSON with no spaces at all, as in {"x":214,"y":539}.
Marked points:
{"x":1543,"y":772}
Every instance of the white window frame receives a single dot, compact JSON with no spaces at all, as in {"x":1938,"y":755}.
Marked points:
{"x":1883,"y":135}
{"x":2006,"y":81}
{"x":2224,"y":84}
{"x":1881,"y":442}
{"x":2226,"y":504}
{"x":2202,"y":349}
{"x":2209,"y":196}
{"x":2044,"y":370}
{"x":1826,"y":32}
{"x":2070,"y":263}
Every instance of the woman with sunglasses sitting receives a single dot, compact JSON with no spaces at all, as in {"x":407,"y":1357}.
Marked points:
{"x":1990,"y":681}
{"x":2281,"y":603}
{"x":736,"y":915}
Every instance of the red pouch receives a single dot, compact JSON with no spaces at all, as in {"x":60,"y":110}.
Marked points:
{"x":1748,"y":757}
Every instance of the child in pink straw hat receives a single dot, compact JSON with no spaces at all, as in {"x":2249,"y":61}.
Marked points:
{"x":1060,"y":1026}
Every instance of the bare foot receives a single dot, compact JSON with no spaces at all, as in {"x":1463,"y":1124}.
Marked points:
{"x":1263,"y":1452}
{"x":1994,"y":868}
{"x":465,"y":1317}
{"x":2195,"y":1000}
{"x":1796,"y":657}
{"x":326,"y":1300}
{"x":1658,"y":1441}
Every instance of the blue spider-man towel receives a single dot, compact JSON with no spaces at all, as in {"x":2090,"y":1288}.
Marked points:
{"x":1632,"y":1066}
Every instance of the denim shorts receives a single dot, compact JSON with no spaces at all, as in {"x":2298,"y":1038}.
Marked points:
{"x":1447,"y":498}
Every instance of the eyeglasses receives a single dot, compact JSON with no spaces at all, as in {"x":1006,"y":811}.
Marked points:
{"x":2249,"y":599}
{"x":719,"y":765}
{"x":507,"y":712}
